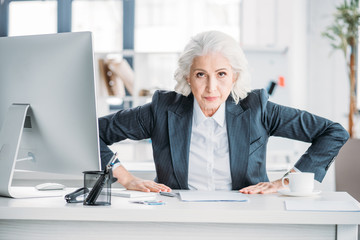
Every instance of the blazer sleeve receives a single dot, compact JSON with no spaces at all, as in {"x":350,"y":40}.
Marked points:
{"x":135,"y":123}
{"x":326,"y":137}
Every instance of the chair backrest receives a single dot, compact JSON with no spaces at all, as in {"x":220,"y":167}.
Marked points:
{"x":347,"y":168}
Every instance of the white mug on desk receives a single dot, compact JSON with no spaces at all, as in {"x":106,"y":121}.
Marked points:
{"x":300,"y":182}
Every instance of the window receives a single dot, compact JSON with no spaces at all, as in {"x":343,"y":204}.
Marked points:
{"x":32,"y":17}
{"x":103,"y":18}
{"x":163,"y":27}
{"x":258,"y":23}
{"x":167,"y":25}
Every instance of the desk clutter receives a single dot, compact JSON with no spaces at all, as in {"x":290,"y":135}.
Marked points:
{"x":96,"y":190}
{"x":262,"y":217}
{"x":97,"y":187}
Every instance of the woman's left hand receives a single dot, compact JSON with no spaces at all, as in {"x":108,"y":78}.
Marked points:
{"x":263,"y":187}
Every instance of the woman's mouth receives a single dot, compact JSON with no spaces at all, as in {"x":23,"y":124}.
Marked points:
{"x":211,"y":99}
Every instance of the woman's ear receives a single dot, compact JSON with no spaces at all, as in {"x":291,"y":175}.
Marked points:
{"x":235,"y":76}
{"x":188,"y":80}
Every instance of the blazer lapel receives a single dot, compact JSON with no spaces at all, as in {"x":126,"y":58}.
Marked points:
{"x":180,"y":124}
{"x":238,"y":128}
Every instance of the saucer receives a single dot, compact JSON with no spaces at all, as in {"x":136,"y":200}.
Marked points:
{"x":298,"y":194}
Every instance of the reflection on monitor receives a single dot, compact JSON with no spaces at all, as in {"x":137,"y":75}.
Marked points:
{"x":47,"y":106}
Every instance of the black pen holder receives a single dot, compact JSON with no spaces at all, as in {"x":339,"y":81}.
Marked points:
{"x":98,"y":184}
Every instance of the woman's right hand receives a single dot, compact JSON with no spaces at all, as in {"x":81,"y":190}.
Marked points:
{"x":146,"y":186}
{"x":130,"y":182}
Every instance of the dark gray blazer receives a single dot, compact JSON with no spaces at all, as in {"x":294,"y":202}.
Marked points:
{"x":167,"y":120}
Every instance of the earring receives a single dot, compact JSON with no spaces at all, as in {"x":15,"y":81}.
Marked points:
{"x":189,"y":84}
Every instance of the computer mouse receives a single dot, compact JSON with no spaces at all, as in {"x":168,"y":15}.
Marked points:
{"x":49,"y":186}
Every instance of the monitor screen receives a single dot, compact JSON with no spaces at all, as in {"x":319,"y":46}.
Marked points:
{"x":54,"y":75}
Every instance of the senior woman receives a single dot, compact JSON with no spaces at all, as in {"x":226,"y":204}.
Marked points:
{"x":212,"y":132}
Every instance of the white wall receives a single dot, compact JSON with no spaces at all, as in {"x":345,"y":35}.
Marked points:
{"x":328,"y":82}
{"x":320,"y":77}
{"x":316,"y":80}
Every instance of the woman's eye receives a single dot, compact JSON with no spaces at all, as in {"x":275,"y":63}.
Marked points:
{"x":222,"y":74}
{"x":200,"y":75}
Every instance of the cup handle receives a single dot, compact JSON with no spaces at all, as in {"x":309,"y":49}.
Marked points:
{"x":282,"y":181}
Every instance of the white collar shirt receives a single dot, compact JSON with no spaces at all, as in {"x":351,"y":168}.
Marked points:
{"x":209,"y":163}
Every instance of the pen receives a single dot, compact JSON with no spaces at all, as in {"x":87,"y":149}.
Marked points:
{"x":111,"y":162}
{"x":149,"y":202}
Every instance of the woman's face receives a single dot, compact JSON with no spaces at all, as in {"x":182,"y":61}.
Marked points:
{"x":211,"y":79}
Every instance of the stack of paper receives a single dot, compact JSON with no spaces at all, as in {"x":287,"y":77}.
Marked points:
{"x":212,"y":196}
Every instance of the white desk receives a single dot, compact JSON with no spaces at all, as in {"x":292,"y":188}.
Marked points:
{"x":264,"y":217}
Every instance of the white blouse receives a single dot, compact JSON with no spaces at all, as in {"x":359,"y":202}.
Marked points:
{"x":209,"y":162}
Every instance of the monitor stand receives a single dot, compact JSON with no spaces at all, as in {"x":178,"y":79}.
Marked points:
{"x":10,"y":138}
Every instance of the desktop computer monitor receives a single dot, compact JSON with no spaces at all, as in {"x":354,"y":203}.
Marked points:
{"x":48,"y":119}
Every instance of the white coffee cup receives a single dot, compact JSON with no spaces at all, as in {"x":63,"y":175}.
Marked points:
{"x":300,"y":182}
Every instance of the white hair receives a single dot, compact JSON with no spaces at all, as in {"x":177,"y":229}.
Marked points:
{"x":214,"y":42}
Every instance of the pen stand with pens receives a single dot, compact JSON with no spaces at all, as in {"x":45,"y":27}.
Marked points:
{"x":98,"y":184}
{"x":97,"y":187}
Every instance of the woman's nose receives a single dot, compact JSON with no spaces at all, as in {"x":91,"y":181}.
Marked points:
{"x":212,"y":83}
